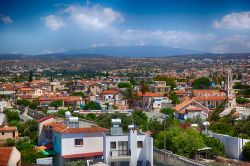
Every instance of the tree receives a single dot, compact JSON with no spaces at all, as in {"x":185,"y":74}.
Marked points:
{"x":215,"y":115}
{"x":222,"y":128}
{"x":56,"y":103}
{"x":143,"y":87}
{"x":31,"y":76}
{"x":218,"y":148}
{"x":130,"y":96}
{"x":140,"y":119}
{"x":124,"y":85}
{"x":181,"y":141}
{"x":33,"y":105}
{"x":12,"y":116}
{"x":201,"y":83}
{"x":90,"y":116}
{"x":24,"y":102}
{"x":28,"y":153}
{"x":241,"y":100}
{"x":187,"y":143}
{"x":246,"y":151}
{"x":92,"y":105}
{"x":172,"y":96}
{"x":81,"y":94}
{"x":168,"y":112}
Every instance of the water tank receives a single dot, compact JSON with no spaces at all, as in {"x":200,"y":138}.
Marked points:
{"x":73,"y":119}
{"x":130,"y":127}
{"x":206,"y":123}
{"x":116,"y":121}
{"x":67,"y":114}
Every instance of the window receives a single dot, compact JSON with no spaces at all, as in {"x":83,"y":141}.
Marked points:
{"x":112,"y":145}
{"x":139,"y":144}
{"x":79,"y":142}
{"x":2,"y":133}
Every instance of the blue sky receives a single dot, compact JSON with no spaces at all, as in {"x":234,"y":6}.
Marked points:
{"x":49,"y":26}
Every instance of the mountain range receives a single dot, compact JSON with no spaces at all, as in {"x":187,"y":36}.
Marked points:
{"x":134,"y":51}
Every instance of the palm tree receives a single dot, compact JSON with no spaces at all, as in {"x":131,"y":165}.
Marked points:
{"x":143,"y":88}
{"x":130,"y":96}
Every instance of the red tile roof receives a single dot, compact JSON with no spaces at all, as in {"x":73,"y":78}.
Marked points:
{"x":149,"y":94}
{"x":185,"y":106}
{"x":110,"y":91}
{"x":181,"y":92}
{"x":8,"y":128}
{"x":210,"y":98}
{"x":83,"y":155}
{"x":44,"y":118}
{"x":208,"y":92}
{"x":26,"y":89}
{"x":62,"y":128}
{"x":5,"y":153}
{"x":64,"y":98}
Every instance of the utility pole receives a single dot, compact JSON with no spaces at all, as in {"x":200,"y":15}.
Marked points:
{"x":164,"y":140}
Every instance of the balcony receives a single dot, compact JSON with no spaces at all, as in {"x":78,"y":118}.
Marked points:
{"x":114,"y":154}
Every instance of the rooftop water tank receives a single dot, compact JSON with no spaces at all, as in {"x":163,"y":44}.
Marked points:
{"x":67,"y":114}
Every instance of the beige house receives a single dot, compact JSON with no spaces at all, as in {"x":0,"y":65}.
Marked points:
{"x":10,"y":156}
{"x":8,"y":132}
{"x":160,"y":87}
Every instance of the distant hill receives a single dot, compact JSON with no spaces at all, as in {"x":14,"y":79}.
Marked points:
{"x":134,"y":51}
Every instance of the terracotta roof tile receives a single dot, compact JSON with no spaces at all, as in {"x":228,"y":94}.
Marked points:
{"x":5,"y":153}
{"x":44,"y":118}
{"x":83,"y":155}
{"x":210,"y":98}
{"x":64,"y":98}
{"x":62,"y":128}
{"x":26,"y":89}
{"x":8,"y":128}
{"x":110,"y":91}
{"x":149,"y":94}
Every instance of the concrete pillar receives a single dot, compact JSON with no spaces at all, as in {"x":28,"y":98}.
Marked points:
{"x":133,"y":146}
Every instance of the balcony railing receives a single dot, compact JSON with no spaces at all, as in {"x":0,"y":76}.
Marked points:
{"x":119,"y":153}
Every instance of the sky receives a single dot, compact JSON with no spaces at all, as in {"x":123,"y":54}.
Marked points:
{"x":54,"y":26}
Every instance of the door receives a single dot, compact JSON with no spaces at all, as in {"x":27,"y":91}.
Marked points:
{"x":122,"y":148}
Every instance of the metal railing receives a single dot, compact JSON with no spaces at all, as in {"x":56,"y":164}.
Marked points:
{"x":119,"y":153}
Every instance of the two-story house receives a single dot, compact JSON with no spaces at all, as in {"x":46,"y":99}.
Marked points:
{"x":191,"y":109}
{"x":70,"y":141}
{"x":160,"y":87}
{"x":127,"y":149}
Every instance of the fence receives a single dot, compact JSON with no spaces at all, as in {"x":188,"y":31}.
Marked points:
{"x":233,"y":145}
{"x":173,"y":159}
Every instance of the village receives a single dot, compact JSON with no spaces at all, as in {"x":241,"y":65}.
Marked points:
{"x":118,"y":120}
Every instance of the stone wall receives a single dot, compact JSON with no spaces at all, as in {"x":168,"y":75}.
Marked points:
{"x":173,"y":159}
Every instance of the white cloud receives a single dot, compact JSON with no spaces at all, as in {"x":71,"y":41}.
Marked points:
{"x":237,"y":21}
{"x":5,"y":19}
{"x":159,"y":37}
{"x":93,"y":18}
{"x":233,"y":43}
{"x":53,"y":22}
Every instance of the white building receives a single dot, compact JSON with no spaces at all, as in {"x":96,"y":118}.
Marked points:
{"x":69,"y":141}
{"x":131,"y":149}
{"x":10,"y":156}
